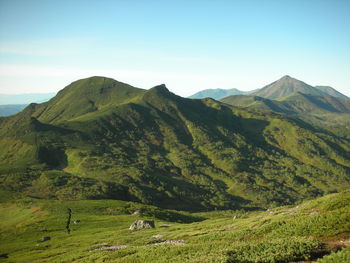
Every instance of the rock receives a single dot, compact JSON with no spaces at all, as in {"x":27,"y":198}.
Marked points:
{"x":168,"y":242}
{"x":43,"y":239}
{"x":76,"y":221}
{"x":137,"y":213}
{"x":110,"y":248}
{"x":141,"y":224}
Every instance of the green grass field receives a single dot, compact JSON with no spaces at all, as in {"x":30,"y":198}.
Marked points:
{"x":309,"y":230}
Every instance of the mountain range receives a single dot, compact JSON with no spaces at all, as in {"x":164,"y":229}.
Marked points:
{"x":11,"y":104}
{"x":280,"y":88}
{"x":25,"y":98}
{"x":11,"y":109}
{"x":99,"y":138}
{"x":320,"y":106}
{"x":216,"y":93}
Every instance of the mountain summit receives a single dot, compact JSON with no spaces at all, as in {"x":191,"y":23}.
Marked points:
{"x":286,"y":86}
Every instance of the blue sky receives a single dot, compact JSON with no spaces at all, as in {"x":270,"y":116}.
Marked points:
{"x":188,"y":45}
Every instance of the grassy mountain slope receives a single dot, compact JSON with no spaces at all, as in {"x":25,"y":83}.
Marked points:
{"x":316,"y":104}
{"x":256,"y":102}
{"x":286,"y":86}
{"x":86,"y":96}
{"x":215,"y":93}
{"x":158,"y":148}
{"x":325,"y":112}
{"x":308,"y":231}
{"x":294,"y":103}
{"x":332,"y":92}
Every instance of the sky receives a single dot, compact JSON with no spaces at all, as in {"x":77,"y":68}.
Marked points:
{"x":187,"y":45}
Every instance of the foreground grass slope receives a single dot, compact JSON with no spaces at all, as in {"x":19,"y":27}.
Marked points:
{"x":308,"y":231}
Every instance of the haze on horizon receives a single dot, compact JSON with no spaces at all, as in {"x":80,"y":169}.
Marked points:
{"x":189,"y":46}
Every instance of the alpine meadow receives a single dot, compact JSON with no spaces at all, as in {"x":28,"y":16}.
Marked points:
{"x":229,"y":161}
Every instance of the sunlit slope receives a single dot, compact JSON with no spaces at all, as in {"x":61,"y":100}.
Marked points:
{"x":308,"y":231}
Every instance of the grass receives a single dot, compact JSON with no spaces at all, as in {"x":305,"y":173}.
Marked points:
{"x":281,"y":234}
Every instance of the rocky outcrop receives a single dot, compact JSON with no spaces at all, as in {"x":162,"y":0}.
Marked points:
{"x":142,"y":224}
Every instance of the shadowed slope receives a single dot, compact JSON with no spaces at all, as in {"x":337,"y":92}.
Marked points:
{"x":295,"y":103}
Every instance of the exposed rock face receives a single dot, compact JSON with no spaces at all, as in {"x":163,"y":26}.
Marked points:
{"x":140,"y":224}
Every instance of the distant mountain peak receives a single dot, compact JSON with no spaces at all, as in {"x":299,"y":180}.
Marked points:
{"x":286,"y":86}
{"x":287,"y":77}
{"x":216,"y":93}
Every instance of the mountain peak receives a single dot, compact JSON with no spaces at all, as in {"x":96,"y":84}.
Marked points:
{"x":161,"y":88}
{"x":286,"y":86}
{"x":85,"y":96}
{"x":288,"y":78}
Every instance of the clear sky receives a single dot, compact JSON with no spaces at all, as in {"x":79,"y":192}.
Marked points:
{"x":188,"y":45}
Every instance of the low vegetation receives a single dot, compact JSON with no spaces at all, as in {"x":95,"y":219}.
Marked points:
{"x":312,"y":230}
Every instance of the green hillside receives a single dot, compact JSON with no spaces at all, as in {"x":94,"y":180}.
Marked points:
{"x":313,"y":230}
{"x":324,"y":112}
{"x":295,"y":103}
{"x":102,"y":139}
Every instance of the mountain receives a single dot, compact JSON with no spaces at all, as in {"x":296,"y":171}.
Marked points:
{"x":286,"y":86}
{"x":280,"y":88}
{"x":102,"y":139}
{"x":295,"y":103}
{"x":332,"y":92}
{"x":11,"y":109}
{"x":25,"y":98}
{"x":215,"y":93}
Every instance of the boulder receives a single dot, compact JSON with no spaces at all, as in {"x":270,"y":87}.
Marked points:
{"x":137,"y":213}
{"x":76,"y":221}
{"x":141,"y":224}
